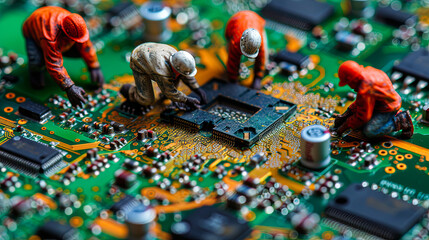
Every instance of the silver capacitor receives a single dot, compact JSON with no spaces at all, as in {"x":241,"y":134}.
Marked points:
{"x":315,"y":147}
{"x":139,"y":221}
{"x":155,"y":18}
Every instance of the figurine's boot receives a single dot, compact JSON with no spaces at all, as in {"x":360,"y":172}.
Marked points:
{"x":132,"y":107}
{"x":404,"y":122}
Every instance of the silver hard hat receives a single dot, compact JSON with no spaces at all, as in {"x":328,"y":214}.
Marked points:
{"x":250,"y":43}
{"x":184,"y":63}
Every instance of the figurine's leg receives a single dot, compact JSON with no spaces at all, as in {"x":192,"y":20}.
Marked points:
{"x":36,"y":64}
{"x":140,"y":97}
{"x":380,"y":124}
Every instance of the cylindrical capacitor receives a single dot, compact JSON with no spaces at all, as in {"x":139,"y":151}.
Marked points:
{"x":155,"y":17}
{"x":315,"y":147}
{"x":139,"y":222}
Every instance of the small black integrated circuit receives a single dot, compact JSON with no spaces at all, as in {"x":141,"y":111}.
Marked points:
{"x":55,"y":230}
{"x":393,"y":17}
{"x":30,"y":157}
{"x":303,"y":14}
{"x":125,"y":204}
{"x":374,"y":212}
{"x":236,"y":114}
{"x":295,"y":58}
{"x":209,"y":222}
{"x":415,"y":64}
{"x":34,"y":111}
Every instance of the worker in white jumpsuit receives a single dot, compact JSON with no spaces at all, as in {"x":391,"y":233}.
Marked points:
{"x":166,"y":66}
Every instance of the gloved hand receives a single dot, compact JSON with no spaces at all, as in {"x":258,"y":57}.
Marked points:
{"x":256,"y":83}
{"x":76,"y":95}
{"x":192,"y":103}
{"x":97,"y":78}
{"x":342,"y":129}
{"x":202,"y":94}
{"x":341,"y":119}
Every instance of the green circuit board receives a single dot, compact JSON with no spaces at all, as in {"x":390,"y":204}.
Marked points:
{"x":81,"y":192}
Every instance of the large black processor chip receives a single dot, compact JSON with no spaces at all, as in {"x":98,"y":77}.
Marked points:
{"x":34,"y":111}
{"x":30,"y":157}
{"x":302,"y":14}
{"x":415,"y":64}
{"x":235,"y":114}
{"x":207,"y":223}
{"x":374,"y":212}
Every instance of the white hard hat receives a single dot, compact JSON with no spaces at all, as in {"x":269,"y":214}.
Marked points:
{"x":184,"y":63}
{"x":250,"y":43}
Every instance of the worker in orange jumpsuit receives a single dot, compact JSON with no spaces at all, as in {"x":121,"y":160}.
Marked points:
{"x":50,"y":34}
{"x":246,"y":36}
{"x":375,"y":109}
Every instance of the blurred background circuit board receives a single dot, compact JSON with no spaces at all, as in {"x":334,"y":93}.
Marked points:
{"x":79,"y":174}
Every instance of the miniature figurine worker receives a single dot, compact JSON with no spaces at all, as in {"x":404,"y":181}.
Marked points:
{"x":50,"y":33}
{"x":166,"y":66}
{"x":376,"y":106}
{"x":246,"y":36}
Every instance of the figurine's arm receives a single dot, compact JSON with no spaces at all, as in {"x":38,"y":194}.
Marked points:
{"x":260,"y":61}
{"x":234,"y":60}
{"x":363,"y":109}
{"x":88,"y":53}
{"x":169,"y":90}
{"x":191,"y":82}
{"x":54,"y":64}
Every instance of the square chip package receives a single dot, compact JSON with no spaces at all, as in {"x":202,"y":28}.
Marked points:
{"x":303,"y":14}
{"x":209,"y":222}
{"x":374,"y":212}
{"x":415,"y":64}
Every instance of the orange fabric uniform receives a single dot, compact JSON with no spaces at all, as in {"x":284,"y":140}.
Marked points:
{"x":44,"y":27}
{"x":375,"y":92}
{"x":235,"y":27}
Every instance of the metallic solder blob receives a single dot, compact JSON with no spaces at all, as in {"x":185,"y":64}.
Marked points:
{"x":315,"y":147}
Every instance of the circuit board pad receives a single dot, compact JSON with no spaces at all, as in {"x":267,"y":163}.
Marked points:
{"x":85,"y":194}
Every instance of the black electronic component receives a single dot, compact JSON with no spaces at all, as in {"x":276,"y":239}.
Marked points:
{"x":304,"y":14}
{"x":374,"y":212}
{"x":125,"y":179}
{"x":209,"y":222}
{"x":234,"y":113}
{"x":125,"y":204}
{"x":297,"y":59}
{"x":34,"y":111}
{"x":123,"y":14}
{"x":30,"y":157}
{"x":415,"y":64}
{"x":393,"y":17}
{"x":55,"y":230}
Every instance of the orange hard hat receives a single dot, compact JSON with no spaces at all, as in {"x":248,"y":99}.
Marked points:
{"x":75,"y":28}
{"x":349,"y":71}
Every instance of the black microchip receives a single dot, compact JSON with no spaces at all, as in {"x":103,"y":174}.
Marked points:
{"x":303,"y":14}
{"x":235,"y":114}
{"x":29,"y":156}
{"x":297,"y":59}
{"x":34,"y":111}
{"x":374,"y":212}
{"x":393,"y":17}
{"x":55,"y":230}
{"x":415,"y":64}
{"x":125,"y":204}
{"x":208,"y":223}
